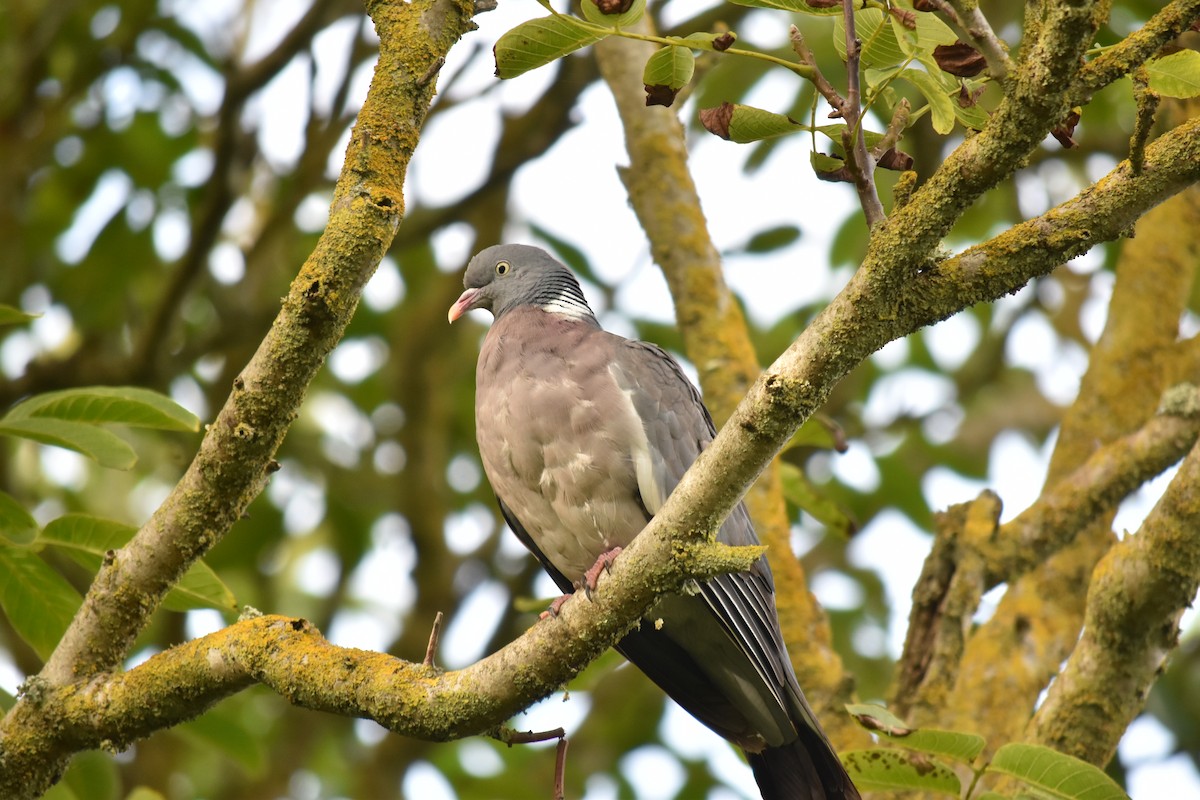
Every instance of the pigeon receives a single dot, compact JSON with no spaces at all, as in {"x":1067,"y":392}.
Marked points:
{"x":583,"y":434}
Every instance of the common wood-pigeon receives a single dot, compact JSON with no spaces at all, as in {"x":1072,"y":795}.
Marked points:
{"x":583,"y":435}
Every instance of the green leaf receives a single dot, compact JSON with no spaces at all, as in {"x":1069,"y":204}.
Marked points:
{"x":929,"y":33}
{"x":974,"y":117}
{"x":38,"y":601}
{"x":17,"y":526}
{"x":591,"y":12}
{"x":704,"y":40}
{"x":200,"y":587}
{"x":126,"y":405}
{"x":750,"y":124}
{"x":788,"y":5}
{"x":800,"y":492}
{"x":86,"y":539}
{"x":956,"y":745}
{"x":773,"y":238}
{"x":834,"y":132}
{"x":104,"y":446}
{"x":669,"y":66}
{"x":892,"y":770}
{"x":964,"y":747}
{"x":877,"y":718}
{"x":14,"y":316}
{"x":539,"y":41}
{"x":1055,"y":773}
{"x":1176,"y":75}
{"x":941,"y":107}
{"x":818,"y":431}
{"x":7,"y":701}
{"x":824,"y":163}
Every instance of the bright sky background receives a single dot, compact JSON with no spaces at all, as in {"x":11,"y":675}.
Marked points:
{"x":451,"y":160}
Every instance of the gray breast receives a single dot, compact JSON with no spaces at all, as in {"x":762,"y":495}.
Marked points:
{"x":558,"y":437}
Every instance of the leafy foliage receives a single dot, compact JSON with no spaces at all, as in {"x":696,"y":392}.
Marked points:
{"x":153,"y":216}
{"x":1046,"y":770}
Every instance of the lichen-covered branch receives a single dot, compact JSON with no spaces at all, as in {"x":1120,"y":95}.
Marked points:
{"x":1012,"y":657}
{"x":945,"y":600}
{"x":1135,"y":49}
{"x":1097,"y":487}
{"x":411,"y":698}
{"x":717,"y":341}
{"x":235,"y":457}
{"x":1138,"y":592}
{"x":972,"y":553}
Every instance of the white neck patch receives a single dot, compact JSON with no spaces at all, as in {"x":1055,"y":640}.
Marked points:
{"x":568,"y":306}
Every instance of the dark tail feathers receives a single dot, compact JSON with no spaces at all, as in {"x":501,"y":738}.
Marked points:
{"x":802,"y":770}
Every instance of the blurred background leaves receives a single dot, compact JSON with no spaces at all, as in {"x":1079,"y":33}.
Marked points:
{"x":167,"y":167}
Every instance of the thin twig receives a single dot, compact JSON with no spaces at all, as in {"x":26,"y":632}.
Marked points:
{"x":431,"y":73}
{"x":894,"y":131}
{"x":434,"y":634}
{"x":511,"y":737}
{"x":822,"y":84}
{"x":858,"y":160}
{"x":560,"y":769}
{"x":1147,"y":105}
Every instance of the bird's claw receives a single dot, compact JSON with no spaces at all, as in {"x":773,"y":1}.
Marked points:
{"x":555,"y":607}
{"x":604,"y":563}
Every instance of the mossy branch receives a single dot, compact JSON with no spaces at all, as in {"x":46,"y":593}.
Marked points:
{"x":1138,"y":592}
{"x":1135,"y":49}
{"x":236,"y":455}
{"x":290,"y":656}
{"x":972,"y":553}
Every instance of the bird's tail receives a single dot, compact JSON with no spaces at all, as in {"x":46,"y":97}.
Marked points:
{"x":805,"y":769}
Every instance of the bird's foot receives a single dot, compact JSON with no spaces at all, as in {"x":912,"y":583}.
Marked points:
{"x":555,"y":607}
{"x":604,"y":563}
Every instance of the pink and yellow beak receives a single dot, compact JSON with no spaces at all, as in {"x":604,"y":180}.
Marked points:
{"x":464,"y":303}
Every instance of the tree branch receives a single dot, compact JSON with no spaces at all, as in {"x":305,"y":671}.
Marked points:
{"x":1138,"y":592}
{"x":1129,"y":370}
{"x":1135,"y":49}
{"x":236,"y":455}
{"x":288,"y":655}
{"x":971,"y":555}
{"x":854,"y":142}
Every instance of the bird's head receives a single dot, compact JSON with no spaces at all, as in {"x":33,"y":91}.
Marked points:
{"x":508,"y":276}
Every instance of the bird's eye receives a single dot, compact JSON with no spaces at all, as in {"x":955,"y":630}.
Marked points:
{"x":502,"y":267}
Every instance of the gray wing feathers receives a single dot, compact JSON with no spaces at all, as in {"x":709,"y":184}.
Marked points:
{"x":678,"y":427}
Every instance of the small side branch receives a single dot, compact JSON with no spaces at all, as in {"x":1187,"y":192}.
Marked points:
{"x":511,"y":737}
{"x":859,"y":162}
{"x":434,"y":634}
{"x":1139,"y":591}
{"x":972,"y":554}
{"x":1135,"y":49}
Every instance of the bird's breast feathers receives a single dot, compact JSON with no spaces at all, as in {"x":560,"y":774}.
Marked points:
{"x":561,"y":442}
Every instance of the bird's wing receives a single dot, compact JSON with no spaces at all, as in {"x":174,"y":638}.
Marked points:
{"x":678,"y":427}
